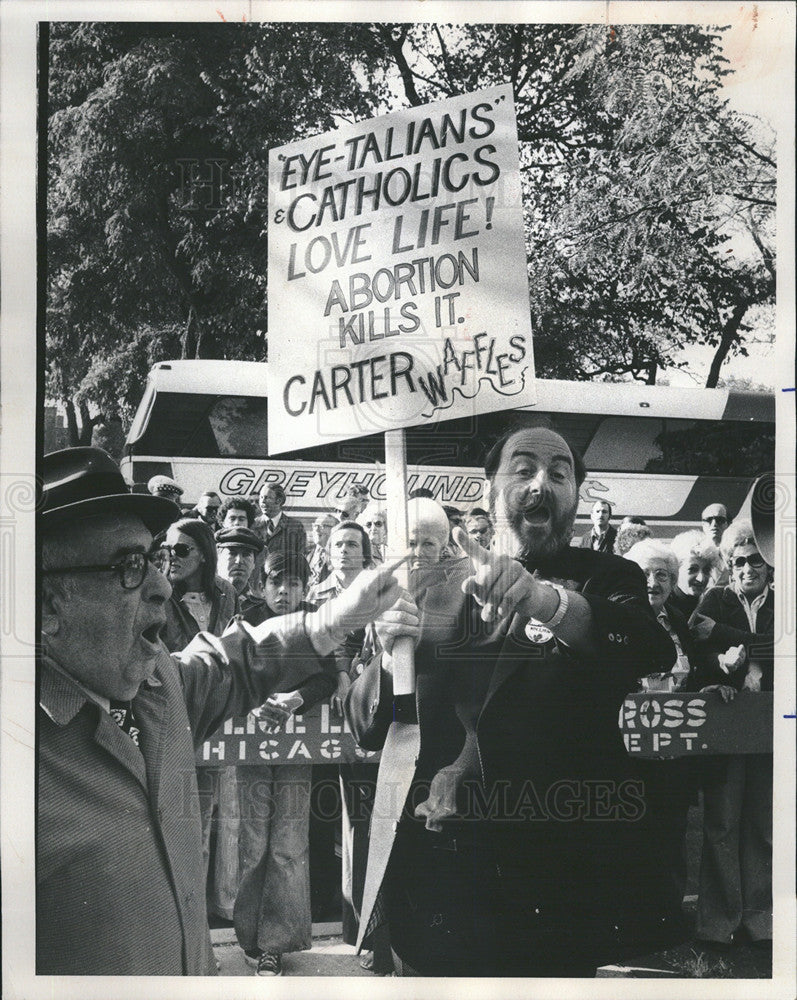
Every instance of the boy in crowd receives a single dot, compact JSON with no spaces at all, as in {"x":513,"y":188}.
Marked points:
{"x":272,"y":909}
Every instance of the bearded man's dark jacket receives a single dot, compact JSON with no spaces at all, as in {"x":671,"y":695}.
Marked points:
{"x":544,"y":717}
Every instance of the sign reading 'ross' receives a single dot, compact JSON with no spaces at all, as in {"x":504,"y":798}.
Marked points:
{"x":693,"y":724}
{"x":398,"y":287}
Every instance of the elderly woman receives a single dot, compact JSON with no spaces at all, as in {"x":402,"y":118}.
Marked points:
{"x":699,"y":563}
{"x":735,"y":648}
{"x":374,"y":520}
{"x":660,"y":566}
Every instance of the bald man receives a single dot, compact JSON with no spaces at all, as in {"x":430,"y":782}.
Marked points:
{"x":715,"y":521}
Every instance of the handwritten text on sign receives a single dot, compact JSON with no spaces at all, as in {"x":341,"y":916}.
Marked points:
{"x":398,"y":288}
{"x":319,"y":735}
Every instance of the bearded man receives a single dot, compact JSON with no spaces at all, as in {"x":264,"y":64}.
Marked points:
{"x":523,"y":845}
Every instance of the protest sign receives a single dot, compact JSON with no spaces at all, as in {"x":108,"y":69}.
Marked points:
{"x":696,"y":724}
{"x":398,"y":289}
{"x":317,"y":735}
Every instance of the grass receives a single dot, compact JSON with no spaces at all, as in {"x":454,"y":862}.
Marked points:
{"x":698,"y":965}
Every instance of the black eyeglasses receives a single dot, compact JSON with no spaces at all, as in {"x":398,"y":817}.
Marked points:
{"x":718,"y":518}
{"x":131,"y":569}
{"x":180,"y":549}
{"x":754,"y":560}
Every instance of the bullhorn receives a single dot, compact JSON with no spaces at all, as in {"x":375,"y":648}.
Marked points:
{"x":759,"y":509}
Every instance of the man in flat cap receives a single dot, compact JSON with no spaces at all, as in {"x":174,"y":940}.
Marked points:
{"x":238,"y":549}
{"x":119,"y":851}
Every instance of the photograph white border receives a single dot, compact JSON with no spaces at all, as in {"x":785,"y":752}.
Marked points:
{"x":18,"y":348}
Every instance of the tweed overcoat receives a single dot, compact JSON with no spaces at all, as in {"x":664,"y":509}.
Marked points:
{"x":119,"y":868}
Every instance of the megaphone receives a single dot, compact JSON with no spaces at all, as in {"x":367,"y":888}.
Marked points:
{"x":759,"y":509}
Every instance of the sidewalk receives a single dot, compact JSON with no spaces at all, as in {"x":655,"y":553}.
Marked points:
{"x":331,"y":957}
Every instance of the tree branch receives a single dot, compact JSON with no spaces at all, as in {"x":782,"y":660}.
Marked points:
{"x":395,"y":47}
{"x":730,"y":333}
{"x":444,"y":54}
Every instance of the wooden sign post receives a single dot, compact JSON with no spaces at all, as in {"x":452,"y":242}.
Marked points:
{"x":397,"y":541}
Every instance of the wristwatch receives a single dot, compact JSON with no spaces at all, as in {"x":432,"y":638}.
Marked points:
{"x":561,"y":611}
{"x":540,"y":632}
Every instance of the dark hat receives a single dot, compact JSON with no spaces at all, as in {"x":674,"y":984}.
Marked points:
{"x":292,"y":563}
{"x":240,"y":536}
{"x":452,"y":511}
{"x":82,"y":482}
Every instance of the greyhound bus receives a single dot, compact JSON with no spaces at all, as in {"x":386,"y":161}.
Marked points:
{"x":660,"y":453}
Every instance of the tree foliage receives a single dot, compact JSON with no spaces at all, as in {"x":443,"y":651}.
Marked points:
{"x":648,"y":203}
{"x":157,"y":197}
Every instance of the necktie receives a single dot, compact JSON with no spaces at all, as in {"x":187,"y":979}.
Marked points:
{"x":680,"y":670}
{"x":122,"y":715}
{"x":269,"y":527}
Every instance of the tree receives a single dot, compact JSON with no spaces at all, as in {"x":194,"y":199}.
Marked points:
{"x":158,"y":193}
{"x":638,"y":180}
{"x":649,"y":203}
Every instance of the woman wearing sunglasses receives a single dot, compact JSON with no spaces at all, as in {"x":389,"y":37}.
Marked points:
{"x":201,"y":601}
{"x":736,"y":654}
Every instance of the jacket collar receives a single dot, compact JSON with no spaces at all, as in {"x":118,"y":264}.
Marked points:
{"x":62,"y":697}
{"x":730,"y":596}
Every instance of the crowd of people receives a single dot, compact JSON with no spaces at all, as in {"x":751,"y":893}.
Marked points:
{"x":508,"y":832}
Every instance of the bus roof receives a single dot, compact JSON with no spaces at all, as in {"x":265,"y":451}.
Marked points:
{"x":250,"y":378}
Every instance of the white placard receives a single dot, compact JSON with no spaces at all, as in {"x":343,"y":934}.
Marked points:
{"x":398,"y":289}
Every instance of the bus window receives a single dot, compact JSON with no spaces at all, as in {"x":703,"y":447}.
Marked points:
{"x":239,"y":425}
{"x":638,"y":437}
{"x":713,"y":448}
{"x":178,"y":425}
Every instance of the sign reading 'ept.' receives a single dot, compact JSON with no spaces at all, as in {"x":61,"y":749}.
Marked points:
{"x":398,"y":288}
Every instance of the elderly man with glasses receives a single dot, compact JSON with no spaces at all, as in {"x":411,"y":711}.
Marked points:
{"x":119,"y":851}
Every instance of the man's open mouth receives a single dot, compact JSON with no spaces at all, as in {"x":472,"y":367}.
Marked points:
{"x":537,"y":514}
{"x":152,"y":633}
